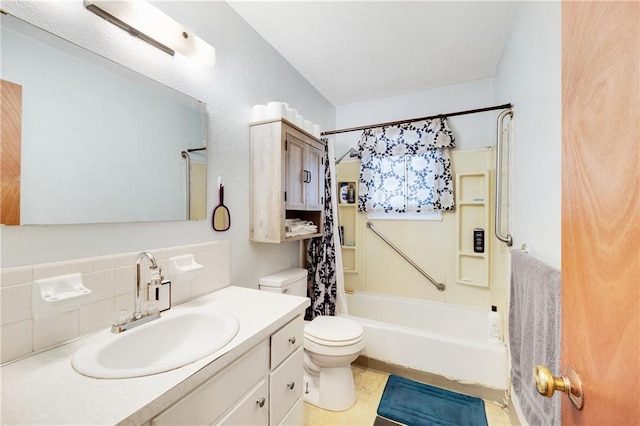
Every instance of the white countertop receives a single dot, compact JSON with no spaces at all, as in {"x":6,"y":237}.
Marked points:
{"x":44,"y":389}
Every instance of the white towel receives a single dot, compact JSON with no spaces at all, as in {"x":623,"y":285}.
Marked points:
{"x":297,"y":227}
{"x":534,"y":334}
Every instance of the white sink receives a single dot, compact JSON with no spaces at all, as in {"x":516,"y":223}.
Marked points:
{"x":174,"y":340}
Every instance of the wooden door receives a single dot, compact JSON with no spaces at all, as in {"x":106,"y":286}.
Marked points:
{"x":601,"y":209}
{"x":10,"y":152}
{"x":294,"y":170}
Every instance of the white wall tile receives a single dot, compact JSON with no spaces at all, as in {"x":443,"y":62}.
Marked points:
{"x":16,"y":303}
{"x":102,"y":285}
{"x":53,"y":330}
{"x":124,"y":280}
{"x":124,"y":301}
{"x":180,"y":291}
{"x":114,"y":261}
{"x":17,"y":340}
{"x":96,"y":316}
{"x":221,"y":273}
{"x":47,"y":270}
{"x":200,"y":287}
{"x":18,"y":275}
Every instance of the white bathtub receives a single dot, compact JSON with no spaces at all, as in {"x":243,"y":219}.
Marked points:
{"x":440,"y":338}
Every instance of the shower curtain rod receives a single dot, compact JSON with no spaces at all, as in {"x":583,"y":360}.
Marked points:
{"x":394,"y":123}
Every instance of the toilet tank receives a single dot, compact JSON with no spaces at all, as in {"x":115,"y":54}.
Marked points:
{"x":289,"y":281}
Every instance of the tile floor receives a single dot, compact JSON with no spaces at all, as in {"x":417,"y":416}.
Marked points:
{"x":369,"y":387}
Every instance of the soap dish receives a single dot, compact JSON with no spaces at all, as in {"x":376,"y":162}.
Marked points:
{"x":56,"y":295}
{"x":184,"y":265}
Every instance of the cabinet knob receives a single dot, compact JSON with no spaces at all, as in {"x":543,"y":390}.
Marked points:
{"x":261,"y":402}
{"x":292,"y":340}
{"x":291,"y":385}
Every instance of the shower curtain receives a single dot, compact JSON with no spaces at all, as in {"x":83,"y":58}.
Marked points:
{"x":325,"y":279}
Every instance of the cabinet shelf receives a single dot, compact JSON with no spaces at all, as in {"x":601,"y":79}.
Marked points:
{"x":471,"y":203}
{"x":350,"y":223}
{"x":472,"y":268}
{"x":303,"y":237}
{"x":471,"y":254}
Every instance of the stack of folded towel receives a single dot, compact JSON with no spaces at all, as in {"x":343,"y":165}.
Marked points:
{"x":296,"y":227}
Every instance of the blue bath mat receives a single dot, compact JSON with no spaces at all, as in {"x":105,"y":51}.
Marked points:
{"x":415,"y":404}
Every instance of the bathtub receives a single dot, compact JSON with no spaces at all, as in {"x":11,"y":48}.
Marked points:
{"x":440,"y":338}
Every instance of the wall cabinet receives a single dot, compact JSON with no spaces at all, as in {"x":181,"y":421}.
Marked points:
{"x":264,"y":387}
{"x":287,"y":180}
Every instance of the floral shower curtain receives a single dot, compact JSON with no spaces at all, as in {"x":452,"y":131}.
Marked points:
{"x":321,"y":256}
{"x":406,"y":168}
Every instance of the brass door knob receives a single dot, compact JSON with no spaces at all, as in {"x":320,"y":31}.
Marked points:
{"x":569,"y":384}
{"x":547,"y":384}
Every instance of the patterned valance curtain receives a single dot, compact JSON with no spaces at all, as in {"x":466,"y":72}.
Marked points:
{"x":406,"y":168}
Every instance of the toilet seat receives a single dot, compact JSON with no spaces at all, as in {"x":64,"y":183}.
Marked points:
{"x":333,"y":331}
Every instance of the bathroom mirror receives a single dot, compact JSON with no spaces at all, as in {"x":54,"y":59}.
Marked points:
{"x":99,"y":142}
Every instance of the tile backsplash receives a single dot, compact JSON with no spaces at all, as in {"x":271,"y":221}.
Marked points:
{"x":111,"y":281}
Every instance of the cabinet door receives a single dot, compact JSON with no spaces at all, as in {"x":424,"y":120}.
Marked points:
{"x":209,"y":401}
{"x":314,"y":183}
{"x":252,"y":410}
{"x":294,"y":172}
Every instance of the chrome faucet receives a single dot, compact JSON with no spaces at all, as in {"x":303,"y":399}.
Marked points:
{"x":155,"y":281}
{"x":155,"y":272}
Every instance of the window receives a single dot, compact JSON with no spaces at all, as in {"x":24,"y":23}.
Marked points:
{"x":406,"y":168}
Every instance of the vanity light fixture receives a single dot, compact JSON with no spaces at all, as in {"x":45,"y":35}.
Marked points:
{"x":143,"y":20}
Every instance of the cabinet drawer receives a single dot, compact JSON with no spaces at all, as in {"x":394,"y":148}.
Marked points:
{"x":209,"y":401}
{"x":295,"y":416}
{"x":252,"y":410}
{"x":286,"y":340}
{"x":285,"y":387}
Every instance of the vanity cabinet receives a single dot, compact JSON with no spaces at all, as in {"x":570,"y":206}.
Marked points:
{"x":263,"y":387}
{"x":287,"y":180}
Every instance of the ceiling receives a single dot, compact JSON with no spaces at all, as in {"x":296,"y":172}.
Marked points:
{"x":354,"y":51}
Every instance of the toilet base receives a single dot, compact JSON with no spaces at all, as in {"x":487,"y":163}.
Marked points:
{"x":333,"y":389}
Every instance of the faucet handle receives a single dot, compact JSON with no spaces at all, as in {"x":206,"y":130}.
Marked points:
{"x":150,"y":307}
{"x":156,"y":277}
{"x":121,"y":317}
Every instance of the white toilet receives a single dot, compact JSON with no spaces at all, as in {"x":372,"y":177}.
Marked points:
{"x":331,"y":344}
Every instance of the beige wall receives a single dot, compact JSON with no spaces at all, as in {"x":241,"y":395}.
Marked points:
{"x":430,"y":244}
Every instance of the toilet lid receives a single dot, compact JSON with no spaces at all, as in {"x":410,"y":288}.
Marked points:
{"x":333,"y":329}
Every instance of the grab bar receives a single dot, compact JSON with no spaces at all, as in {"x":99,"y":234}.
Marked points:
{"x":498,"y":216}
{"x":439,"y":286}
